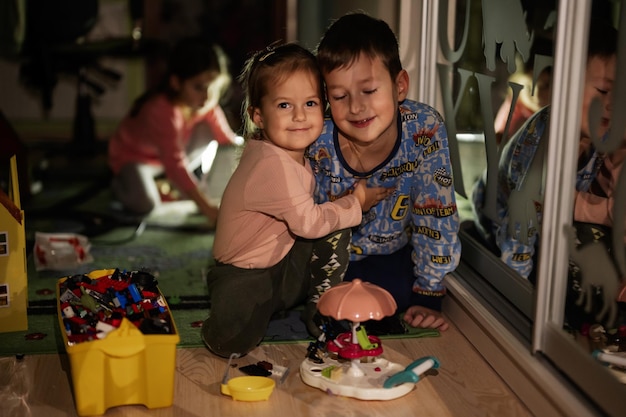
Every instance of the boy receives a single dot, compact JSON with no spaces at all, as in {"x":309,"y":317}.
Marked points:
{"x":408,"y":242}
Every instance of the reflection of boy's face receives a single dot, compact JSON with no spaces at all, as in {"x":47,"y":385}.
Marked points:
{"x":364,"y":99}
{"x":598,"y":86}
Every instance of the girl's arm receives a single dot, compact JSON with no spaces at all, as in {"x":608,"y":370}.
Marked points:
{"x":204,"y":205}
{"x":217,"y":121}
{"x":281,"y":188}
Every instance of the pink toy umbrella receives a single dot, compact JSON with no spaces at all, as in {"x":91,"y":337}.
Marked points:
{"x":356,"y":301}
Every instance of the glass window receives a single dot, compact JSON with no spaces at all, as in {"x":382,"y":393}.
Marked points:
{"x":495,"y":71}
{"x":530,"y":91}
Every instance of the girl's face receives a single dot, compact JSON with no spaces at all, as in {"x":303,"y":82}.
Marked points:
{"x":291,"y":114}
{"x":194,"y":92}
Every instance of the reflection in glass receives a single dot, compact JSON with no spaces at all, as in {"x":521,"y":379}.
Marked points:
{"x":507,"y":196}
{"x":497,"y":74}
{"x":514,"y":84}
{"x":596,"y":300}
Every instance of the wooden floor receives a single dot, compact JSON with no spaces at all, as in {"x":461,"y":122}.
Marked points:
{"x":464,"y":385}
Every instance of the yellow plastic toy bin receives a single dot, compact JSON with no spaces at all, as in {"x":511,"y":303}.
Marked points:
{"x":126,"y":367}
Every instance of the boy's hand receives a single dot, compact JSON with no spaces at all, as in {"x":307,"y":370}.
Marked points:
{"x":425,"y":318}
{"x":370,"y":196}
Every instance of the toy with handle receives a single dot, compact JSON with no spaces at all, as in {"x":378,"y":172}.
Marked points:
{"x":411,"y":373}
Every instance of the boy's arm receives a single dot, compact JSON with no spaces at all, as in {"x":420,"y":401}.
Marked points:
{"x":513,"y":253}
{"x":435,"y":220}
{"x":519,"y":194}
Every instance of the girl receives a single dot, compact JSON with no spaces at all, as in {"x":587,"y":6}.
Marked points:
{"x":155,"y":138}
{"x":269,"y":229}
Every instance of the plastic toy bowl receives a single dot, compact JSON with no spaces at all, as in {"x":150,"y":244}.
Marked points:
{"x":249,"y":388}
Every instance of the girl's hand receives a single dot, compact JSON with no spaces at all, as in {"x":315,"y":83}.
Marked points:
{"x":370,"y":196}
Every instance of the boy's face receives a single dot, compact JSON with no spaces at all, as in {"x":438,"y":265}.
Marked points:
{"x":599,"y":78}
{"x":364,"y":100}
{"x":291,"y":113}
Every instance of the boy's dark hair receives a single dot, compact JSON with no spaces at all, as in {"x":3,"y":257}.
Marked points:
{"x":269,"y":67}
{"x":602,"y":39}
{"x":354,"y":34}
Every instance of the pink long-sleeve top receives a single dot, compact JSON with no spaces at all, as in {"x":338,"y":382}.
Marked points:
{"x":591,"y":208}
{"x":159,"y":134}
{"x":267,"y":203}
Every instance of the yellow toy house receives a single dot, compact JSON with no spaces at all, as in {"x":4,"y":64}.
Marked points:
{"x":13,"y":278}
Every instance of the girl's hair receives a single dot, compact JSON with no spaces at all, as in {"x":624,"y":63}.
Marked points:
{"x":268,"y":67}
{"x":354,"y":34}
{"x":192,"y":56}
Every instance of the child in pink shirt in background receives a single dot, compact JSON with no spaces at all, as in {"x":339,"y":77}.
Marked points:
{"x":269,"y":230}
{"x":155,"y":137}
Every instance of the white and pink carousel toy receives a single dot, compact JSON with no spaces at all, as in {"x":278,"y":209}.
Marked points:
{"x":351,"y":364}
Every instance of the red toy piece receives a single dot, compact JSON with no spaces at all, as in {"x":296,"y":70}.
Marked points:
{"x":344,"y":347}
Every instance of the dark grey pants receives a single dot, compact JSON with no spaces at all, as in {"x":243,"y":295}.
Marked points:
{"x":243,"y":300}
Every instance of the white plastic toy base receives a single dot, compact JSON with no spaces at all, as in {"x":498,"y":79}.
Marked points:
{"x":358,"y":380}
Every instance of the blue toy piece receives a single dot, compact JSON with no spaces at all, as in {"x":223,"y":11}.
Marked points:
{"x":411,"y":374}
{"x":134,"y":293}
